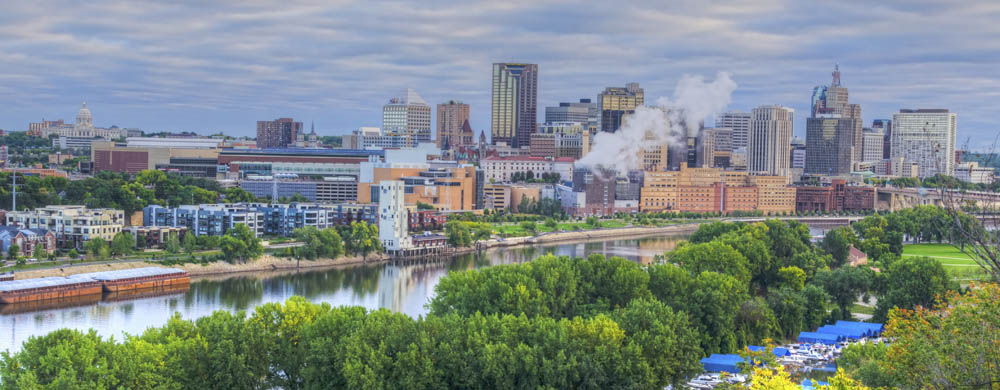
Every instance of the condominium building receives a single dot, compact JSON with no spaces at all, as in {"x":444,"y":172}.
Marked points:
{"x":739,"y":122}
{"x":715,"y":190}
{"x":279,"y":133}
{"x":392,"y":216}
{"x":925,"y":137}
{"x":332,"y":189}
{"x":616,"y":102}
{"x":407,"y":116}
{"x":500,"y":169}
{"x":770,"y":140}
{"x":270,"y":219}
{"x":72,"y":225}
{"x":514,"y":105}
{"x":452,"y":118}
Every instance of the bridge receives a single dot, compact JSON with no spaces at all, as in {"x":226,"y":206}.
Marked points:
{"x":822,"y":222}
{"x":892,"y":198}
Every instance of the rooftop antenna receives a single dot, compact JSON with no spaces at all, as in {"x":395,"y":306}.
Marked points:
{"x":13,"y":197}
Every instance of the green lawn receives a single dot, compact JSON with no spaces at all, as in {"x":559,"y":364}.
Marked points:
{"x":958,"y":264}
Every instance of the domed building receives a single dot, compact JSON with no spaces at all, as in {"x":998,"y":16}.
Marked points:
{"x":84,"y":128}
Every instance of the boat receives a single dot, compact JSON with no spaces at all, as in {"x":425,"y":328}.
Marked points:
{"x":27,"y":290}
{"x":140,"y":278}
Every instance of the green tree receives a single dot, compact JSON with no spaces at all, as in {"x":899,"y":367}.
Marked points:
{"x":792,"y":277}
{"x":845,"y":285}
{"x":238,"y":195}
{"x":190,"y":243}
{"x":365,"y":238}
{"x":458,"y":234}
{"x":711,"y":256}
{"x":72,"y":254}
{"x":97,"y":248}
{"x":551,"y":224}
{"x":173,"y":245}
{"x":714,"y":303}
{"x":241,"y":244}
{"x":529,"y":227}
{"x":122,"y":244}
{"x":13,"y":252}
{"x":593,"y":222}
{"x":912,"y":282}
{"x":424,"y":206}
{"x":669,"y":343}
{"x":837,"y":242}
{"x":62,"y":359}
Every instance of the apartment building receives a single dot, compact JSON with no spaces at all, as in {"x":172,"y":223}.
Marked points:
{"x":72,"y":225}
{"x":715,"y":190}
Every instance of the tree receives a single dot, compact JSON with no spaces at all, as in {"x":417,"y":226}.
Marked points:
{"x":364,"y":237}
{"x":238,"y":195}
{"x":837,"y":242}
{"x":190,"y":243}
{"x":845,"y":285}
{"x":241,"y":244}
{"x":529,"y":227}
{"x":458,"y":234}
{"x":72,"y":254}
{"x":711,"y":256}
{"x":593,"y":222}
{"x":122,"y":244}
{"x":424,"y":206}
{"x":912,"y":282}
{"x":64,"y":358}
{"x":669,"y":343}
{"x":173,"y":245}
{"x":551,"y":223}
{"x":97,"y":248}
{"x":13,"y":251}
{"x":952,"y":345}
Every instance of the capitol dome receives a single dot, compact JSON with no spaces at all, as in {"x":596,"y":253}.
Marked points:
{"x":83,"y":117}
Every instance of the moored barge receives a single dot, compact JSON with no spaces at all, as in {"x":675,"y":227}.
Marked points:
{"x":6,"y":276}
{"x":28,"y":290}
{"x":140,"y":278}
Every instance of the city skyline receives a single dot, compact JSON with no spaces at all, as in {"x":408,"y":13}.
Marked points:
{"x":159,"y":69}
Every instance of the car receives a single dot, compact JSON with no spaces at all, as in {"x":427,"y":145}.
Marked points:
{"x":32,"y":260}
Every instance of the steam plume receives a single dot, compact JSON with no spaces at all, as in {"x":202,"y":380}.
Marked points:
{"x":669,"y":123}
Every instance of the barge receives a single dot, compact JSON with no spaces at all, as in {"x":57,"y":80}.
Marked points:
{"x":6,"y":276}
{"x":27,"y":290}
{"x":140,"y":278}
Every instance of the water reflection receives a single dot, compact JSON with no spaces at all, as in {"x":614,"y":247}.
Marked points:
{"x":404,"y":288}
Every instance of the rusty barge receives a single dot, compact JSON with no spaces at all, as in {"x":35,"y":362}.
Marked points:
{"x":29,"y":290}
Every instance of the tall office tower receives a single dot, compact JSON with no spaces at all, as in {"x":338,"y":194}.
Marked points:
{"x":872,"y":145}
{"x":798,"y":154}
{"x":584,"y":112}
{"x":925,"y":137}
{"x":828,"y":145}
{"x":832,"y":101}
{"x":740,"y":123}
{"x":408,"y":115}
{"x":279,"y":133}
{"x":514,"y":108}
{"x":392,"y":216}
{"x":616,"y":102}
{"x":450,"y":118}
{"x":770,"y":139}
{"x":885,"y":125}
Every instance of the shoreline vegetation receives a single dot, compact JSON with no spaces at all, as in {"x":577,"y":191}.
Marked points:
{"x":269,"y":262}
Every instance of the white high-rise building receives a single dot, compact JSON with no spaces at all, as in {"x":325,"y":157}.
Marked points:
{"x":872,"y":145}
{"x":770,"y":140}
{"x":392,"y":216}
{"x":925,"y":137}
{"x":409,"y":116}
{"x":740,"y":123}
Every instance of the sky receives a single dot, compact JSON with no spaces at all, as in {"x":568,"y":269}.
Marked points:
{"x":223,"y":65}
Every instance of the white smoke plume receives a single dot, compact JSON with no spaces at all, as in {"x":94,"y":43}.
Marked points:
{"x":670,"y":122}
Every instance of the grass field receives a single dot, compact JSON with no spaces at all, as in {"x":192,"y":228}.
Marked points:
{"x":958,"y":264}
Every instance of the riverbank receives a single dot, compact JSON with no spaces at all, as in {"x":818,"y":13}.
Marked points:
{"x":272,"y":263}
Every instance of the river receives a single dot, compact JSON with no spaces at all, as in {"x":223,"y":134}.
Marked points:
{"x":401,"y":288}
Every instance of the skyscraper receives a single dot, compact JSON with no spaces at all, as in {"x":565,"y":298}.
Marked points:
{"x":585,"y":112}
{"x":872,"y":145}
{"x":828,"y":144}
{"x":770,"y":140}
{"x":408,"y":115}
{"x":514,"y":108}
{"x":925,"y":137}
{"x":617,"y":102}
{"x":832,"y":102}
{"x":450,"y":118}
{"x":740,"y":123}
{"x":279,"y":133}
{"x":885,"y":125}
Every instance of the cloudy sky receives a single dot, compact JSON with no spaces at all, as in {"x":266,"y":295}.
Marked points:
{"x":182,"y":65}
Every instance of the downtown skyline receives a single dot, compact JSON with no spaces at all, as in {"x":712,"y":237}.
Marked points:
{"x":160,"y":69}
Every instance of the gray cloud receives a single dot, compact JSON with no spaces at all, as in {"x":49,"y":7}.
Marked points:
{"x":222,"y":65}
